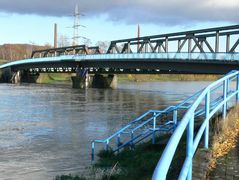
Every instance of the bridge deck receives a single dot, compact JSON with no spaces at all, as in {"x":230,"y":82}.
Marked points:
{"x":144,"y":63}
{"x":212,"y":50}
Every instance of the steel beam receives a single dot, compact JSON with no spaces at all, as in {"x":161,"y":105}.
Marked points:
{"x":189,"y":44}
{"x":234,"y":46}
{"x":200,"y":31}
{"x":217,"y":41}
{"x":181,"y":46}
{"x":198,"y":44}
{"x":208,"y":45}
{"x":166,"y":44}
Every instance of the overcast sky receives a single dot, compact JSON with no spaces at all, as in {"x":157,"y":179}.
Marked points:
{"x":155,"y":16}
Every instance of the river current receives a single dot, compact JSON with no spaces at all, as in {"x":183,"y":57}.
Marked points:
{"x":46,"y":130}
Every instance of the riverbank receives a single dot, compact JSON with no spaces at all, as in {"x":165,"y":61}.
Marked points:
{"x":224,"y":162}
{"x":52,"y":78}
{"x":166,"y":77}
{"x":138,"y":163}
{"x":49,"y":78}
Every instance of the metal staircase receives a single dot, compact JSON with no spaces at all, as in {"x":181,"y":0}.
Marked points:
{"x":154,"y":122}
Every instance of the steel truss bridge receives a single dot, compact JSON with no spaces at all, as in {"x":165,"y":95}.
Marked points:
{"x":213,"y":50}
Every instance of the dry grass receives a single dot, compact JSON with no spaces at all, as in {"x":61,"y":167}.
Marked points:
{"x":226,"y":138}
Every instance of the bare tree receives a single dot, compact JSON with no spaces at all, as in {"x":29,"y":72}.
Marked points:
{"x":86,"y":41}
{"x":63,"y":41}
{"x":104,"y":45}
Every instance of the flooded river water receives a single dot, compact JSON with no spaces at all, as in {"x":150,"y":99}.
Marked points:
{"x":46,"y":130}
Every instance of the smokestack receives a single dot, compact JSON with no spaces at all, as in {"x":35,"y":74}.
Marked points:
{"x":55,"y":36}
{"x":138,"y":35}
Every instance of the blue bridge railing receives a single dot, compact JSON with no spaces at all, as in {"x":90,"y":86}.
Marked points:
{"x":221,"y":91}
{"x":199,"y":107}
{"x":145,"y":126}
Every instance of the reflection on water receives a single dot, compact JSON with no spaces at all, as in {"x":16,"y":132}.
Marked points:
{"x":46,"y":130}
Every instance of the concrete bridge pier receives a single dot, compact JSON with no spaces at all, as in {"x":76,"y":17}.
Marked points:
{"x":80,"y":82}
{"x":101,"y":81}
{"x":5,"y":75}
{"x":24,"y":76}
{"x":29,"y":77}
{"x":82,"y":79}
{"x":9,"y":76}
{"x":16,"y":77}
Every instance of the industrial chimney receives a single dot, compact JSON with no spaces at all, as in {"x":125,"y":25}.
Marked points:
{"x":55,"y":36}
{"x":138,"y":36}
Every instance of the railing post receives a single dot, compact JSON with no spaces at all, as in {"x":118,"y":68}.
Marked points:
{"x":237,"y":96}
{"x":132,"y":139}
{"x":107,"y":145}
{"x":92,"y":151}
{"x":175,"y":121}
{"x":207,"y":111}
{"x":118,"y":142}
{"x":190,"y":132}
{"x":154,"y":127}
{"x":224,"y":112}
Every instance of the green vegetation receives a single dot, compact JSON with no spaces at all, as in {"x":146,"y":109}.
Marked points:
{"x":167,"y":77}
{"x":138,"y":163}
{"x":58,"y":77}
{"x":49,"y":78}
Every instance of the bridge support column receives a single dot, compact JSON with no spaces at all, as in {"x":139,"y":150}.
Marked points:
{"x":23,"y":76}
{"x":81,"y":80}
{"x":29,"y":77}
{"x":101,"y":81}
{"x":5,"y":75}
{"x":16,"y":77}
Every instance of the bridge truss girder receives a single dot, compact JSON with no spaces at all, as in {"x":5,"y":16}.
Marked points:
{"x":188,"y":41}
{"x":70,"y":50}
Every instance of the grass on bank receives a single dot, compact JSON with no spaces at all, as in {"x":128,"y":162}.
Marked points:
{"x":166,"y":77}
{"x":138,"y":163}
{"x":141,"y":162}
{"x":66,"y":77}
{"x":48,"y":78}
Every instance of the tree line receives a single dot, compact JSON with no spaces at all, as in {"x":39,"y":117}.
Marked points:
{"x":13,"y":52}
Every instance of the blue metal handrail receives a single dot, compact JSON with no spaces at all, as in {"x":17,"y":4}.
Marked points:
{"x":140,"y":125}
{"x":187,"y":124}
{"x":144,"y":126}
